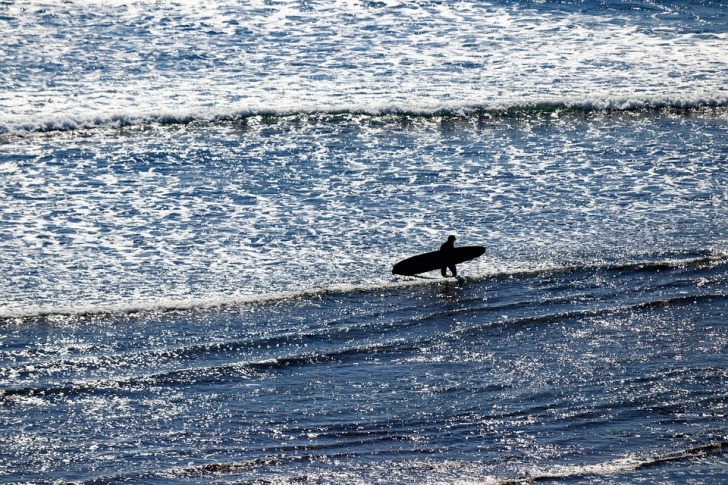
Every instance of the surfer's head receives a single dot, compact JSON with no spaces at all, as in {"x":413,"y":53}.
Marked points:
{"x":451,"y":238}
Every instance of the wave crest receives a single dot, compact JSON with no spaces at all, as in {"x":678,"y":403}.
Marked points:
{"x":545,"y":109}
{"x":621,"y":465}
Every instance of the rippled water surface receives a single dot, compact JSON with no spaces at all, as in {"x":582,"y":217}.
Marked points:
{"x":290,"y":204}
{"x":578,"y":373}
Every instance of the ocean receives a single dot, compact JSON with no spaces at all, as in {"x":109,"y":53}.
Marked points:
{"x":201,"y":204}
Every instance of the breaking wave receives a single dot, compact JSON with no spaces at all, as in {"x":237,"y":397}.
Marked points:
{"x":545,"y":109}
{"x":620,"y":465}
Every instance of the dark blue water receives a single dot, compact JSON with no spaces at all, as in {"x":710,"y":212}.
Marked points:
{"x":200,"y":207}
{"x":598,"y":373}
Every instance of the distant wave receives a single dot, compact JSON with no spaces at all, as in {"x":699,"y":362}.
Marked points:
{"x":224,"y":302}
{"x":10,"y":128}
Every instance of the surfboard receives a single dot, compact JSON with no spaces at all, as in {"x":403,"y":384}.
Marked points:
{"x":422,"y":263}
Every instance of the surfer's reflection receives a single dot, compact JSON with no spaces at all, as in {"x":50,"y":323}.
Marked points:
{"x":449,"y":289}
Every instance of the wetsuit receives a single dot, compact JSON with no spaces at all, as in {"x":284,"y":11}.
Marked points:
{"x":446,"y":253}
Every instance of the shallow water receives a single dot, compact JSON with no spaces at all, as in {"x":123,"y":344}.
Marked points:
{"x":164,"y":215}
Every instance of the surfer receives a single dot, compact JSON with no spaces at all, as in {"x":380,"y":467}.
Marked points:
{"x":445,"y":257}
{"x":446,"y":251}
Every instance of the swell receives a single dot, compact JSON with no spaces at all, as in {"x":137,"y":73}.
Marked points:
{"x":235,"y":302}
{"x":191,"y":376}
{"x":562,"y":316}
{"x":545,"y":109}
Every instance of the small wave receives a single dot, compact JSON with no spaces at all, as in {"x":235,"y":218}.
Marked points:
{"x":446,"y":468}
{"x":196,"y":304}
{"x":174,"y":377}
{"x":561,"y":316}
{"x":681,"y":300}
{"x":234,"y":302}
{"x":621,"y":465}
{"x":543,"y":109}
{"x":188,"y":375}
{"x":669,"y":263}
{"x":229,"y":467}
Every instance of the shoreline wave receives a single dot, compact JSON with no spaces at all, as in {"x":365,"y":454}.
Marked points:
{"x":621,"y":465}
{"x":559,"y":472}
{"x":233,"y":302}
{"x":545,"y":109}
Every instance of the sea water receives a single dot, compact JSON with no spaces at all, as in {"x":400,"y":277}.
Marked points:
{"x":200,"y":206}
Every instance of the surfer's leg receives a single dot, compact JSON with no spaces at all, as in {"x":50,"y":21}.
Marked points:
{"x":443,"y":271}
{"x":453,"y":270}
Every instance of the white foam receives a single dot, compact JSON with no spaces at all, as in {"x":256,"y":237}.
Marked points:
{"x":163,"y":63}
{"x":619,"y":465}
{"x":203,"y":304}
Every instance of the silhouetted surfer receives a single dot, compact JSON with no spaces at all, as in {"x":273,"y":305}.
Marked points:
{"x":446,"y":253}
{"x":446,"y":257}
